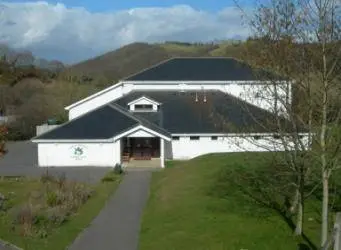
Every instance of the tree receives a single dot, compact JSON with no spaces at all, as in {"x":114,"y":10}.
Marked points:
{"x":300,"y":39}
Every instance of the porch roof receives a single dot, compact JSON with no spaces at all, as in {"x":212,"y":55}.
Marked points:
{"x":105,"y":123}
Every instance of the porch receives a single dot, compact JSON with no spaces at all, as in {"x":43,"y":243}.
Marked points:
{"x":142,"y":151}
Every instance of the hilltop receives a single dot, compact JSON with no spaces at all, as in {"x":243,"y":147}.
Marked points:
{"x":115,"y":65}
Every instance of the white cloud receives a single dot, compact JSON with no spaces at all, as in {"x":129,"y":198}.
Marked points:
{"x":71,"y":34}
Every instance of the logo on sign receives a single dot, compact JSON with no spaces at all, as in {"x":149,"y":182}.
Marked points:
{"x":78,"y":152}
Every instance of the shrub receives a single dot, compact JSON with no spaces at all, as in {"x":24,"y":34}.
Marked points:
{"x":15,"y":133}
{"x":5,"y":203}
{"x":111,"y":176}
{"x":57,"y":215}
{"x":24,"y":216}
{"x":46,"y":177}
{"x":40,"y":220}
{"x":41,"y":233}
{"x":50,"y":206}
{"x":118,"y":169}
{"x":83,"y":193}
{"x":77,"y":195}
{"x":52,"y":199}
{"x":61,"y":180}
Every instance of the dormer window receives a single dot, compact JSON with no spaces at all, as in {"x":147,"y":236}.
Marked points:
{"x":143,"y":107}
{"x":144,"y":104}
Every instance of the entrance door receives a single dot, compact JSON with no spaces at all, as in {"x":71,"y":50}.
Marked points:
{"x":143,"y":148}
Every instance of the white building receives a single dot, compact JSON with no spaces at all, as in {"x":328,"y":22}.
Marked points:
{"x":178,"y":109}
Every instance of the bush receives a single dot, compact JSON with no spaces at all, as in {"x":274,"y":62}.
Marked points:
{"x":52,"y":199}
{"x":57,"y":215}
{"x":15,"y":133}
{"x":118,"y":169}
{"x":109,"y":178}
{"x":24,"y":216}
{"x":82,"y":193}
{"x":45,"y":178}
{"x":112,"y":175}
{"x":50,"y":206}
{"x":5,"y":203}
{"x":61,"y":180}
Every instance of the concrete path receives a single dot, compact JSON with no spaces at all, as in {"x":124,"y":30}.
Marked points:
{"x":7,"y":246}
{"x":118,"y":224}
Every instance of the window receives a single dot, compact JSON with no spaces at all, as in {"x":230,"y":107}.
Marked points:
{"x":214,"y":138}
{"x":143,"y":107}
{"x":175,"y":138}
{"x":194,"y":138}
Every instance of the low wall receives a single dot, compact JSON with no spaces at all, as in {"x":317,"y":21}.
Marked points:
{"x":44,"y":128}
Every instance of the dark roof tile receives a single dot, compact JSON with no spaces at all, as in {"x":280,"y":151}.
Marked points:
{"x":221,"y":113}
{"x":102,"y":123}
{"x":201,"y":69}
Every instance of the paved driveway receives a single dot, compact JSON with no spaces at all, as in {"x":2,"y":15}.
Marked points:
{"x":22,"y":160}
{"x":118,"y":224}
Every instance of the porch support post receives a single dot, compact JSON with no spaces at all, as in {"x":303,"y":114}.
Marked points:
{"x":162,"y":152}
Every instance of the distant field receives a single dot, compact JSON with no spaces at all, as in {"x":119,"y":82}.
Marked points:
{"x":195,"y":205}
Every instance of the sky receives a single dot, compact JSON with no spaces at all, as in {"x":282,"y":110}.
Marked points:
{"x":75,"y":30}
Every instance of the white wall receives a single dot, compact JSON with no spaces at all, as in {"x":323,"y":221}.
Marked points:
{"x":140,"y":133}
{"x":187,"y":149}
{"x":106,"y":97}
{"x":260,"y":95}
{"x":94,"y":154}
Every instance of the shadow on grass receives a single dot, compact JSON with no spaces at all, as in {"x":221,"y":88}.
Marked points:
{"x":259,"y":191}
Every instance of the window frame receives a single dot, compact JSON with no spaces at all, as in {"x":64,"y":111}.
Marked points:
{"x":143,"y":107}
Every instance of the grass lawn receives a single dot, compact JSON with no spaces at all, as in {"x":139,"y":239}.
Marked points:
{"x":60,"y":237}
{"x":192,"y":205}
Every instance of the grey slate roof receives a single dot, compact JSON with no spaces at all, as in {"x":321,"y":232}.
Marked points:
{"x":103,"y":123}
{"x":179,"y":113}
{"x":144,"y":122}
{"x":202,"y":69}
{"x":221,"y":113}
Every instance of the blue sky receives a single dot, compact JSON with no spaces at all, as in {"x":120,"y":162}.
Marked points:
{"x":59,"y":29}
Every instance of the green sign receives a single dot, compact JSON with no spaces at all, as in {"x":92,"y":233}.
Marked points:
{"x":78,"y":152}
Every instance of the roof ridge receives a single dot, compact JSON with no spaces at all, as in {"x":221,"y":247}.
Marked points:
{"x":141,"y":120}
{"x":148,"y":68}
{"x":204,"y":57}
{"x":123,"y":111}
{"x":181,"y":57}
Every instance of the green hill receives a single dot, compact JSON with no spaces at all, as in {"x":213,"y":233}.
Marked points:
{"x":115,"y":65}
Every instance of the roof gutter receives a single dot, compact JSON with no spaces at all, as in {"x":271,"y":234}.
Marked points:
{"x":72,"y":140}
{"x":177,"y":82}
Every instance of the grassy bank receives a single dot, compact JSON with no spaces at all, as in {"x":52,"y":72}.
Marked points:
{"x":61,"y":234}
{"x":198,"y":205}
